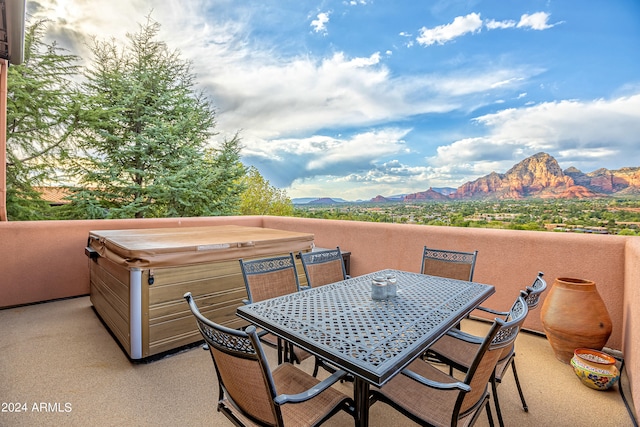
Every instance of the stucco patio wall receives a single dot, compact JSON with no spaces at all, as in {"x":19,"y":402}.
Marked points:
{"x":631,"y":317}
{"x":45,"y":260}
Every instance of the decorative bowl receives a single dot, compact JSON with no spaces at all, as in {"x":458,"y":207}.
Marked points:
{"x":595,"y":369}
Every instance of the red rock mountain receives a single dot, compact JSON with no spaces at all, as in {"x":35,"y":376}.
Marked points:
{"x":625,"y":181}
{"x":380,"y":199}
{"x":430,"y":194}
{"x":537,"y":176}
{"x":540,"y":176}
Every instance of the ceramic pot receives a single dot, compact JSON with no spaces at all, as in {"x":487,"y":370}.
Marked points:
{"x":574,"y":316}
{"x":595,"y":369}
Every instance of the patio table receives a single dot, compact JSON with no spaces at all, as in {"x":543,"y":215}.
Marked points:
{"x":371,"y":339}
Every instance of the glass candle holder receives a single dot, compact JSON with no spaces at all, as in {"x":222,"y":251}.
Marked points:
{"x":392,"y":286}
{"x":378,"y":288}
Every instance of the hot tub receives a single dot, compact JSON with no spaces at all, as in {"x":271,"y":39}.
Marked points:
{"x":138,"y":278}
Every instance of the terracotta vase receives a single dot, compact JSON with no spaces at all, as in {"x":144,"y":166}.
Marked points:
{"x":595,"y":369}
{"x":573,"y":316}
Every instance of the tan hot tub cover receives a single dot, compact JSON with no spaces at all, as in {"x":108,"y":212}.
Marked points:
{"x":162,"y":247}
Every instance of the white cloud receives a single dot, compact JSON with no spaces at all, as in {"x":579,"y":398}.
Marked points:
{"x":302,"y":159}
{"x":492,"y":24}
{"x":576,"y":133}
{"x":319,"y":24}
{"x":367,"y":147}
{"x":386,"y":179}
{"x":472,"y":23}
{"x":72,"y":24}
{"x":478,"y":81}
{"x":612,"y":123}
{"x":320,"y":152}
{"x":358,"y":62}
{"x":535,"y":21}
{"x":442,"y":34}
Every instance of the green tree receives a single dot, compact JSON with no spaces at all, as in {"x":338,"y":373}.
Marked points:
{"x":627,"y":232}
{"x":43,"y":115}
{"x":218,"y":182}
{"x":146,"y":136}
{"x":261,"y":198}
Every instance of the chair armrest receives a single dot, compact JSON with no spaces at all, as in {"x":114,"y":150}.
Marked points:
{"x":312,"y":392}
{"x":463,"y":336}
{"x":492,"y":311}
{"x":457,"y":385}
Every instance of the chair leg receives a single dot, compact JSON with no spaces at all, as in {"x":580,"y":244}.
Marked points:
{"x":494,"y":392}
{"x":489,"y":415}
{"x":515,"y":375}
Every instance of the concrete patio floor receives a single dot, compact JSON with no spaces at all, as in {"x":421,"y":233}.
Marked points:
{"x":59,"y":363}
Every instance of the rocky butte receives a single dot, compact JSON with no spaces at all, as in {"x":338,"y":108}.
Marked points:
{"x":540,"y":176}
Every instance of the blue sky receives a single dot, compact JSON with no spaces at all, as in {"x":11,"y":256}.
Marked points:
{"x":352,"y":99}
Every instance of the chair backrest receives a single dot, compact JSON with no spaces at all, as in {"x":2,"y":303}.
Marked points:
{"x":501,"y":335}
{"x":270,"y":277}
{"x":446,"y":263}
{"x":531,"y":296}
{"x":535,"y":290}
{"x":234,"y":351}
{"x":323,"y":267}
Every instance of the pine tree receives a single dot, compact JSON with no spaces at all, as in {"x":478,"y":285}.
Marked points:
{"x":43,"y":115}
{"x":145,"y":146}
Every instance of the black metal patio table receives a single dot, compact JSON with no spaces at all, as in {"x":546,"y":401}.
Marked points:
{"x":371,"y":339}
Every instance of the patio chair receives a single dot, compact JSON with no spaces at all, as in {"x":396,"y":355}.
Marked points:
{"x":454,"y":352}
{"x":323,"y":267}
{"x":450,"y":264}
{"x":249,"y":393}
{"x":446,"y":263}
{"x":267,"y":278}
{"x":430,"y":397}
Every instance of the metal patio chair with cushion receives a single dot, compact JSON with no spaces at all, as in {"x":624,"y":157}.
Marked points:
{"x":430,"y":397}
{"x":455,"y":352}
{"x":446,"y":263}
{"x":250,"y":393}
{"x":450,"y":264}
{"x":323,"y":267}
{"x":267,"y":278}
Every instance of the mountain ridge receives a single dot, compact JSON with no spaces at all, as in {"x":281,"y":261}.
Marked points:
{"x":540,"y":176}
{"x":537,"y":176}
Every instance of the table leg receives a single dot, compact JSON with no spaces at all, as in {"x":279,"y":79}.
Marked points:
{"x":361,"y":399}
{"x":281,"y":350}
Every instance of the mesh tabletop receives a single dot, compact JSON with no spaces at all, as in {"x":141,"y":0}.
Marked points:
{"x":369,"y":338}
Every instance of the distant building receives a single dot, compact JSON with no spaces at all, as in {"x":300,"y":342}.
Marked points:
{"x":54,"y":195}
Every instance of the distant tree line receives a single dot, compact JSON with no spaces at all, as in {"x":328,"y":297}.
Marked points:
{"x":600,"y":215}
